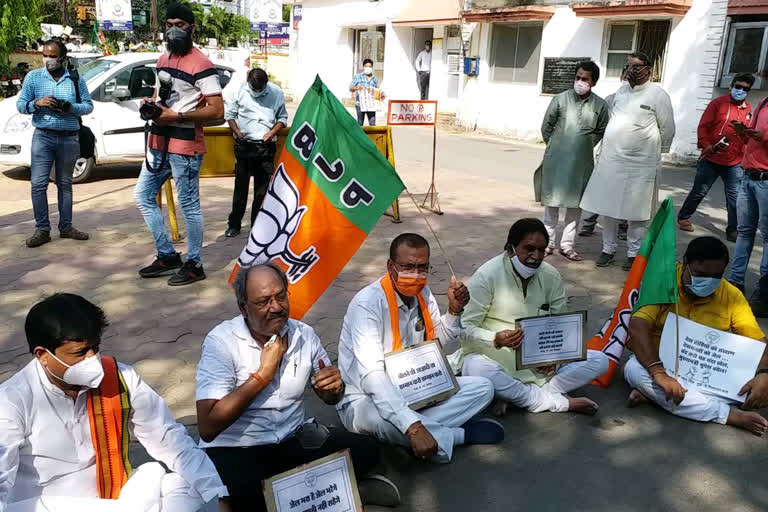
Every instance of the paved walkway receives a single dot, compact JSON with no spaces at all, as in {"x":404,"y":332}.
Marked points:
{"x":618,"y":460}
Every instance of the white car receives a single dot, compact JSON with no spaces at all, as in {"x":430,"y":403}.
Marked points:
{"x":117,"y":85}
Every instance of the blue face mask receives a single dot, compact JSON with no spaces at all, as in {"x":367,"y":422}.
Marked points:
{"x":703,"y":286}
{"x":738,"y":94}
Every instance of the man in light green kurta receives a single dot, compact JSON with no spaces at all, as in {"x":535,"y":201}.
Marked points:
{"x":573,"y":125}
{"x":519,"y":284}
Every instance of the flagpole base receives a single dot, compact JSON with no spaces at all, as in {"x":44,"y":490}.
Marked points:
{"x":434,"y":202}
{"x":395,"y":212}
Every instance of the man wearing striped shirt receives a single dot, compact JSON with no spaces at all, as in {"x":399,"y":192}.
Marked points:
{"x":49,"y":95}
{"x":177,"y":146}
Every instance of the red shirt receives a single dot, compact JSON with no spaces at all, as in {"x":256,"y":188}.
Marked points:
{"x":715,"y":124}
{"x":194,"y":77}
{"x":756,"y":154}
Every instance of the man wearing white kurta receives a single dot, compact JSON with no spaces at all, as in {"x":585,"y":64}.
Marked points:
{"x":624,"y":184}
{"x":47,"y":457}
{"x":372,"y":405}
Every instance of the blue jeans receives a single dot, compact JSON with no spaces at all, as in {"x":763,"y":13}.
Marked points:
{"x":753,"y":215}
{"x":706,"y":174}
{"x":186,"y":173}
{"x":47,"y":149}
{"x":362,"y":115}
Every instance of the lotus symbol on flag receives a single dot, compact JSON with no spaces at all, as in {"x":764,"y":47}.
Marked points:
{"x":276,"y":224}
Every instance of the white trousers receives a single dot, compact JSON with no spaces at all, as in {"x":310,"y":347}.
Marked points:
{"x":549,"y":397}
{"x":551,"y":219}
{"x":695,"y":406}
{"x":443,"y":420}
{"x":149,"y":489}
{"x":635,"y":233}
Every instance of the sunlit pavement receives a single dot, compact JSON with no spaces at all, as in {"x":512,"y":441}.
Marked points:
{"x":619,"y":460}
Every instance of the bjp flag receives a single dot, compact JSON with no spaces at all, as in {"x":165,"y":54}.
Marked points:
{"x":330,"y":188}
{"x":652,"y":280}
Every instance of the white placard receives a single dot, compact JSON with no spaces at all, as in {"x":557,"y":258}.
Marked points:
{"x":114,"y":14}
{"x":552,"y":339}
{"x":712,"y":361}
{"x":422,"y":374}
{"x":327,"y":485}
{"x":412,"y":112}
{"x":369,"y":98}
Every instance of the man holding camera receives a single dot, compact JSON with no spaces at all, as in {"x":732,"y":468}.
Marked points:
{"x":49,"y":95}
{"x":255,"y":113}
{"x":189,"y":95}
{"x":722,"y":149}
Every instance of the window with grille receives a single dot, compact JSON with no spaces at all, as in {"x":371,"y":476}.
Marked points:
{"x":626,"y":37}
{"x":746,"y":52}
{"x":515,"y":52}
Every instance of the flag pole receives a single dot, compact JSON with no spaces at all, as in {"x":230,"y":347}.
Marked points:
{"x":677,"y":339}
{"x":423,"y":215}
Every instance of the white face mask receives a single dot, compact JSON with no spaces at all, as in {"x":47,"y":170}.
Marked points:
{"x":368,"y":70}
{"x":52,"y":64}
{"x":87,"y":372}
{"x":524,"y":270}
{"x":581,"y":87}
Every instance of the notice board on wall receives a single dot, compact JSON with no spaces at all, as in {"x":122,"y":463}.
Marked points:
{"x":559,"y":73}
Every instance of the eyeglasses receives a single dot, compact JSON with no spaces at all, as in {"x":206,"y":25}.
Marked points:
{"x":742,"y":88}
{"x":412,"y":268}
{"x":264,"y":302}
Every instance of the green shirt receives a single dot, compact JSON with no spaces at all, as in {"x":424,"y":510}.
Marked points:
{"x":496,"y":300}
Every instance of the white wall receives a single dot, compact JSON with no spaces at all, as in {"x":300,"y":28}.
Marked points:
{"x":689,"y":69}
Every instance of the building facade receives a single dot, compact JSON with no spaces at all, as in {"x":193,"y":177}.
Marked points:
{"x":516,"y":47}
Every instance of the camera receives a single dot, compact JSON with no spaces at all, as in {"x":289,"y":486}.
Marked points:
{"x":61,"y":106}
{"x":149,"y":111}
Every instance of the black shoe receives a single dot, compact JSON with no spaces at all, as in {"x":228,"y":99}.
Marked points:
{"x":604,"y":259}
{"x":731,"y":235}
{"x":74,"y":234}
{"x":759,"y":308}
{"x":231,"y":232}
{"x":628,"y":264}
{"x":189,"y":273}
{"x":162,"y":266}
{"x":587,"y":231}
{"x":39,"y":238}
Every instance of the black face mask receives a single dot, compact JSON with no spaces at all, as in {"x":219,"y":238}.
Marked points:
{"x":178,"y":41}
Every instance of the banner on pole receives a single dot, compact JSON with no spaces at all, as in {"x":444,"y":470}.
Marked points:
{"x":114,"y":14}
{"x":416,"y":112}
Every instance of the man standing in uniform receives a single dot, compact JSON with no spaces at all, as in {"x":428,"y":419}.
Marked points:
{"x":573,"y":125}
{"x":624,"y":184}
{"x":256,"y":113}
{"x":423,"y":68}
{"x":177,"y":146}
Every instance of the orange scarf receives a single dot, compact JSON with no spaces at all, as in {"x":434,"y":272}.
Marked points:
{"x":108,"y":411}
{"x":389,"y":291}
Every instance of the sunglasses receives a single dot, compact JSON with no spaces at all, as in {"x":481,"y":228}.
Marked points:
{"x":742,"y":88}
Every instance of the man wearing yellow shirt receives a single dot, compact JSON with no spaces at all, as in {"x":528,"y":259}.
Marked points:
{"x":519,"y":284}
{"x":703,"y":297}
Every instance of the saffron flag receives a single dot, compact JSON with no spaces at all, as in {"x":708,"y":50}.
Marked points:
{"x":329,"y":189}
{"x":652,"y":280}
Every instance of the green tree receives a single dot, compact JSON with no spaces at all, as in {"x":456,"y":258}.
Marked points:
{"x":19,"y":21}
{"x":287,"y":12}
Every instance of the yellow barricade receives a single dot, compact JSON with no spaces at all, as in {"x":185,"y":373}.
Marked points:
{"x":219,"y":162}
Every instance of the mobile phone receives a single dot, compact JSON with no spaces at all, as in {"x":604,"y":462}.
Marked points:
{"x":721,"y":144}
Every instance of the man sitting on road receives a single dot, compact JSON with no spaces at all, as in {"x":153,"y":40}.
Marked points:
{"x":519,"y":284}
{"x":705,"y":298}
{"x":66,"y":419}
{"x":372,"y":405}
{"x":250,"y":405}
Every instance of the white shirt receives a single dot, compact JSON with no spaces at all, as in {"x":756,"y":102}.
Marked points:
{"x":46,"y":446}
{"x":366,"y":335}
{"x":424,"y":61}
{"x":230,"y":355}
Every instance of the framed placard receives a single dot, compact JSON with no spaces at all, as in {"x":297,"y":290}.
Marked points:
{"x":422,"y":374}
{"x":714,"y":362}
{"x":327,"y":484}
{"x":552,"y":339}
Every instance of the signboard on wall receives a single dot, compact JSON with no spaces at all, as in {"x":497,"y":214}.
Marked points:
{"x":559,"y":73}
{"x":114,"y":14}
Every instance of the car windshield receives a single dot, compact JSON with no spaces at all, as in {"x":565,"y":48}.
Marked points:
{"x":95,"y":67}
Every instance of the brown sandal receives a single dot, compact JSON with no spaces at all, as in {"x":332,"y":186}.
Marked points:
{"x":571,"y":255}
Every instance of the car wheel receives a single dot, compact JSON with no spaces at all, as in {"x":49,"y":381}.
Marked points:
{"x":82,"y":171}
